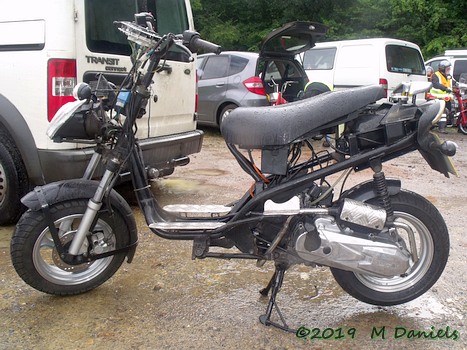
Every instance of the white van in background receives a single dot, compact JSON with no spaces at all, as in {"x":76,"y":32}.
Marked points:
{"x":458,"y":59}
{"x":46,"y":48}
{"x":351,"y":63}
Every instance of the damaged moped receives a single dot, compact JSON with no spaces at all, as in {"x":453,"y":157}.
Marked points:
{"x":384,"y":245}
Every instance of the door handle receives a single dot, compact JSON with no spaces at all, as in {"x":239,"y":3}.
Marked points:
{"x":220,"y":85}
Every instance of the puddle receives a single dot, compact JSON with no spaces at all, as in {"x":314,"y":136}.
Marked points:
{"x":428,"y":307}
{"x":180,"y":185}
{"x":176,"y":185}
{"x":209,"y":172}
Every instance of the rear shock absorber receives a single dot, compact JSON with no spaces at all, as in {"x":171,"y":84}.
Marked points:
{"x":381,"y":187}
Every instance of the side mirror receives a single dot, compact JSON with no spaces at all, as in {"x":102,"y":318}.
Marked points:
{"x":417,"y":87}
{"x":146,"y":20}
{"x":82,"y":91}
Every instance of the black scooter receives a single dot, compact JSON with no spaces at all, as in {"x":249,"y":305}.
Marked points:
{"x":384,"y":245}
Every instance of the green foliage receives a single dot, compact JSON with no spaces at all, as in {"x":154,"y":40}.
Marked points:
{"x":435,"y":25}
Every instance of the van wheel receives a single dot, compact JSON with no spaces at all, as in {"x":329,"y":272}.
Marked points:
{"x":225,"y":112}
{"x":13,"y":183}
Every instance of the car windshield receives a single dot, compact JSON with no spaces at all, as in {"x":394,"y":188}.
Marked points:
{"x":103,"y":36}
{"x":402,"y":59}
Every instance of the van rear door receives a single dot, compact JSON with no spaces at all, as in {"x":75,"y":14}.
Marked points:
{"x":357,"y":64}
{"x":101,"y":48}
{"x":404,"y":63}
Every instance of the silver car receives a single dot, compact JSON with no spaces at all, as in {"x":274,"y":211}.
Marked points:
{"x":227,"y":81}
{"x":233,"y":79}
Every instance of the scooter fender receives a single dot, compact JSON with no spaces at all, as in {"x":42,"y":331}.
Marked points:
{"x":365,"y":191}
{"x":60,"y":191}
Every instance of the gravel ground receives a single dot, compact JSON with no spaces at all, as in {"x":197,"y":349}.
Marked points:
{"x":164,"y":300}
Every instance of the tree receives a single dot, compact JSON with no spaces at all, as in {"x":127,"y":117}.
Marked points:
{"x":435,"y":25}
{"x":242,"y":24}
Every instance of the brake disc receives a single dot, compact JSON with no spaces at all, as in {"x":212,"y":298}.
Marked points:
{"x":66,"y":241}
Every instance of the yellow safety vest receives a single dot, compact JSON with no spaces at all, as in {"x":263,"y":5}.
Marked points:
{"x":440,"y":93}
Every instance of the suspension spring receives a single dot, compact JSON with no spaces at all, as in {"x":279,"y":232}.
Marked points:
{"x":382,"y":191}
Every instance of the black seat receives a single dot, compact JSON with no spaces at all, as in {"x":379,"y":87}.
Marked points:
{"x":271,"y":126}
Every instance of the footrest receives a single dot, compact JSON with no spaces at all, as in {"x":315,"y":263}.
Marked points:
{"x":187,"y":225}
{"x":193,"y":210}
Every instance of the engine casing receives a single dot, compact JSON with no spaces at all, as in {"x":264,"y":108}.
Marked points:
{"x":351,"y":253}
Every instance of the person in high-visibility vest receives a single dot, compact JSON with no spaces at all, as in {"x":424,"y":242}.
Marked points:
{"x":442,"y":89}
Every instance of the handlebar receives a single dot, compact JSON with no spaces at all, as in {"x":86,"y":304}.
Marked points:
{"x":142,"y":33}
{"x":193,"y":41}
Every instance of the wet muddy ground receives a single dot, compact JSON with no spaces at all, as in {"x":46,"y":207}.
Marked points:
{"x":164,"y":300}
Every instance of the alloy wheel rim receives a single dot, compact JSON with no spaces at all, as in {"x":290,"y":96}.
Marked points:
{"x":3,"y":184}
{"x":417,"y":270}
{"x":45,"y":256}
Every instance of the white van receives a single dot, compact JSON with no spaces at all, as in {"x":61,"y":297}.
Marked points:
{"x":48,"y":46}
{"x":458,"y":59}
{"x":350,"y":63}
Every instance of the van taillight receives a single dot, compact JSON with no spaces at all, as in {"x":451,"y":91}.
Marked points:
{"x":384,"y":85}
{"x":61,"y":79}
{"x":255,"y":85}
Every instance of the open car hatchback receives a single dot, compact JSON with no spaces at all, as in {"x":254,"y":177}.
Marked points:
{"x":237,"y":79}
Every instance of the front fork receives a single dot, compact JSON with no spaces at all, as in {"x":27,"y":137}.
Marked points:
{"x":79,"y":243}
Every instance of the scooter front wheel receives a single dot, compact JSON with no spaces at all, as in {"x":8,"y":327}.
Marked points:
{"x":37,"y":262}
{"x":431,"y":242}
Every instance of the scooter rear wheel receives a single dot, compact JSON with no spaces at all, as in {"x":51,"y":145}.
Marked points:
{"x":462,"y":128}
{"x":38,"y":263}
{"x":432,"y":246}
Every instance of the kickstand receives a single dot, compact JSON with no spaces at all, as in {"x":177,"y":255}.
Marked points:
{"x":275,"y":284}
{"x":265,"y":291}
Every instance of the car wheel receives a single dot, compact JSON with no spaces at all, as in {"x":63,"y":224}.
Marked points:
{"x":13,"y":183}
{"x":225,"y":112}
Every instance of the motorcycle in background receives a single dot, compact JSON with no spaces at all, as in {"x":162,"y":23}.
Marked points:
{"x":384,"y":245}
{"x":459,"y":103}
{"x":276,"y":97}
